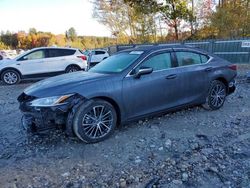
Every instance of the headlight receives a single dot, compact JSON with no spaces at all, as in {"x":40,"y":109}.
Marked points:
{"x":50,"y":101}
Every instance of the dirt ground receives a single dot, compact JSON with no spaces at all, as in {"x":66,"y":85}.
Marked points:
{"x":188,"y":148}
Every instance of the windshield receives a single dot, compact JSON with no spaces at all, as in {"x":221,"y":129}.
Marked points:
{"x":22,"y":54}
{"x":116,"y":63}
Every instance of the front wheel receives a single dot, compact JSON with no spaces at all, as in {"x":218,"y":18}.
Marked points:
{"x":216,"y":95}
{"x":94,"y":121}
{"x":10,"y":77}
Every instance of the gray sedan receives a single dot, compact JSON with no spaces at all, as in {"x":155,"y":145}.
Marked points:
{"x":127,"y":86}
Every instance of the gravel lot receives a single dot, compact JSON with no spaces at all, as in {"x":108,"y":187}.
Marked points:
{"x":188,"y":148}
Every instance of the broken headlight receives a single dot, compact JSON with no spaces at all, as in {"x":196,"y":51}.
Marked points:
{"x":50,"y":101}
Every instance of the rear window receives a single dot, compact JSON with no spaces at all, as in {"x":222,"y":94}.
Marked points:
{"x":99,"y":52}
{"x":60,"y":52}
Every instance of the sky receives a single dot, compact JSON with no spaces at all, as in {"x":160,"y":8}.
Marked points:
{"x":54,"y":16}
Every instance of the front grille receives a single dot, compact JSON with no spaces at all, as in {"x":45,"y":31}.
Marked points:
{"x":25,"y":98}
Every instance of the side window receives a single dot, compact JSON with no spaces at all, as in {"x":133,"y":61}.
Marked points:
{"x":53,"y":53}
{"x":65,"y":52}
{"x":99,"y":52}
{"x":60,"y":52}
{"x":39,"y":54}
{"x":188,"y":58}
{"x":204,"y":58}
{"x":158,"y":62}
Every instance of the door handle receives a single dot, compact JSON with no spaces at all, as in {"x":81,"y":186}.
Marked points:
{"x":171,"y":76}
{"x":208,"y":69}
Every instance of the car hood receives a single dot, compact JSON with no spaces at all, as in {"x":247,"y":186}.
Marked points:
{"x":5,"y":62}
{"x":62,"y":84}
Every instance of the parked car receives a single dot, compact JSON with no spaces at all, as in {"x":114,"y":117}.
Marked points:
{"x":127,"y":86}
{"x":42,"y":62}
{"x":4,"y":55}
{"x":96,"y":56}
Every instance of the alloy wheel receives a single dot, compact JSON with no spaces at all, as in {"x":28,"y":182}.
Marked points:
{"x":218,"y":95}
{"x":97,"y":122}
{"x":10,"y":77}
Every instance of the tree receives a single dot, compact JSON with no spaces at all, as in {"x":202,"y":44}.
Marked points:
{"x":144,"y":14}
{"x":9,"y":39}
{"x":117,"y":16}
{"x":130,"y":21}
{"x":232,"y":18}
{"x":174,"y":12}
{"x":32,"y":31}
{"x":71,"y":34}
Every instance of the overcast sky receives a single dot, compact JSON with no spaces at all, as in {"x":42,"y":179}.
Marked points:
{"x":55,"y":16}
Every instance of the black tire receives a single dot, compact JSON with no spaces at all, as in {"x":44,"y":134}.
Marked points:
{"x":216,"y":95}
{"x":10,"y":77}
{"x":72,"y":68}
{"x":94,"y":121}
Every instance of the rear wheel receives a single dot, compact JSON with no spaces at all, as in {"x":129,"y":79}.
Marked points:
{"x":216,"y":95}
{"x":10,"y":77}
{"x":72,"y":68}
{"x":94,"y":121}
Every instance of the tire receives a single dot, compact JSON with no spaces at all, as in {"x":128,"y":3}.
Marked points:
{"x":94,"y":121}
{"x":72,"y":68}
{"x":216,"y":95}
{"x":10,"y":77}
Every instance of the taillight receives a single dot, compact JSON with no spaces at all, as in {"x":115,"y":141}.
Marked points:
{"x":83,"y":57}
{"x":233,"y":67}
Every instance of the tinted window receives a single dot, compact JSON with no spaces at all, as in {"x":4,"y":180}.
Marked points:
{"x":158,"y":62}
{"x":39,"y":54}
{"x":60,"y":52}
{"x":116,"y":63}
{"x":99,"y":52}
{"x":190,"y":58}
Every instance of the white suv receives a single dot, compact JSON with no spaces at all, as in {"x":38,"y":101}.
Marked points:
{"x":96,"y":56}
{"x":42,"y":62}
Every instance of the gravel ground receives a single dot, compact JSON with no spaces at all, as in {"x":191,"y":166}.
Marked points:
{"x":187,"y":148}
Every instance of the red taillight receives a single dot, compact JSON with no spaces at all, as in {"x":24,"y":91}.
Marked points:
{"x":83,"y":57}
{"x":233,"y":67}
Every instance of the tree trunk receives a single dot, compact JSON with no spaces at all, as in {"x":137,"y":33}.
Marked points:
{"x":176,"y":30}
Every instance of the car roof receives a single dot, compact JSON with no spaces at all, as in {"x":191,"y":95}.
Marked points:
{"x":149,"y":48}
{"x":99,"y":50}
{"x":64,"y":48}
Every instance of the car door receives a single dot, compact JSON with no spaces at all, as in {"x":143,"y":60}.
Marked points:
{"x":152,"y":92}
{"x":59,"y":59}
{"x":193,"y":74}
{"x":33,"y":63}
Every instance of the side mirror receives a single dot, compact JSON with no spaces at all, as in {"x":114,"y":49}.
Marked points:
{"x":143,"y":71}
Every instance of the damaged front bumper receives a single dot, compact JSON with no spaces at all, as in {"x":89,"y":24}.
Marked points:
{"x":39,"y":119}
